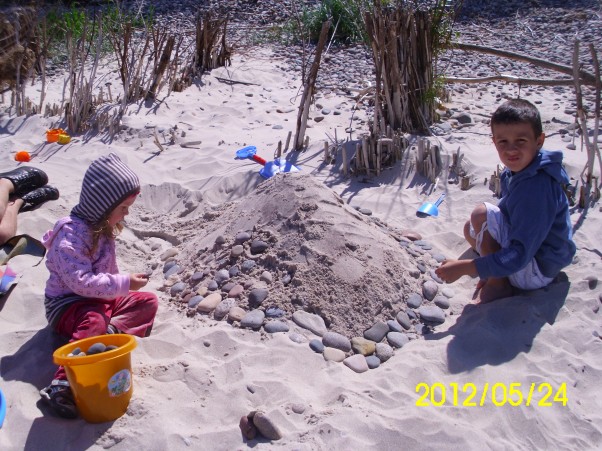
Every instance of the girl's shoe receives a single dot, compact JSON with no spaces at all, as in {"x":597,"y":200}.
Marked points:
{"x":59,"y":397}
{"x":38,"y":196}
{"x":25,"y":179}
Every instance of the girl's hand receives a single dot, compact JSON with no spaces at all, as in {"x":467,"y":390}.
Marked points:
{"x":138,"y":280}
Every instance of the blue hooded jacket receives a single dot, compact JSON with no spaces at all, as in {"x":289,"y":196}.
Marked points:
{"x":537,"y":210}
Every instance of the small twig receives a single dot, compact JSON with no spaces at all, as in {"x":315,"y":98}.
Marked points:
{"x":232,"y":82}
{"x":156,"y":141}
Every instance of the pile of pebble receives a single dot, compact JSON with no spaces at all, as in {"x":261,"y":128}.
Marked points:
{"x":96,"y":348}
{"x":244,"y":281}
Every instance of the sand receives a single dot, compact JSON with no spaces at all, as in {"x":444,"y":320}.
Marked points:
{"x":195,"y":376}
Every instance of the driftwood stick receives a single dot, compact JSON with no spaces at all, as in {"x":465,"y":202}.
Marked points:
{"x":308,"y":91}
{"x":588,"y":78}
{"x":512,"y":79}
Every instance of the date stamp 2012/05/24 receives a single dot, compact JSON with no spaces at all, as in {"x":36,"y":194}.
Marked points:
{"x":515,"y":394}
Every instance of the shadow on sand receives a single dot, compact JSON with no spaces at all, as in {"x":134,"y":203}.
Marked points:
{"x":32,"y":364}
{"x":495,"y":333}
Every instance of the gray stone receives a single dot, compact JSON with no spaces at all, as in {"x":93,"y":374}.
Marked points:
{"x":212,"y":286}
{"x":237,"y":250}
{"x":177,"y":288}
{"x":234,"y":271}
{"x":168,"y":265}
{"x":435,"y":277}
{"x":228,"y":286}
{"x":441,"y":301}
{"x":429,"y":290}
{"x":259,"y":247}
{"x":316,"y":345}
{"x":276,"y":326}
{"x":266,"y":276}
{"x":357,"y":363}
{"x":175,"y":269}
{"x":310,"y":321}
{"x":336,"y":340}
{"x":241,"y":237}
{"x":397,"y":339}
{"x":403,"y":319}
{"x":266,"y":426}
{"x":257,"y":296}
{"x":372,"y":361}
{"x":197,"y":277}
{"x":223,"y":308}
{"x":432,"y":314}
{"x":247,"y":265}
{"x":377,"y":332}
{"x":253,"y":319}
{"x":394,"y":326}
{"x":383,"y":351}
{"x":221,"y":276}
{"x":194,"y":301}
{"x":414,"y":300}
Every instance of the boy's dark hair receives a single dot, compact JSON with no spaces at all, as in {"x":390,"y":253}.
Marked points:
{"x":516,"y":111}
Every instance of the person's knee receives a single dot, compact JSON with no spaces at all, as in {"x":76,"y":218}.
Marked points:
{"x":478,"y":217}
{"x":151,"y":302}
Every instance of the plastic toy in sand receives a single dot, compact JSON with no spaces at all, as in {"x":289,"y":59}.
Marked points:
{"x":57,"y":135}
{"x":22,"y":156}
{"x":270,"y":168}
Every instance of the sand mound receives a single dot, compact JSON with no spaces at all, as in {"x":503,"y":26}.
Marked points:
{"x":297,"y":239}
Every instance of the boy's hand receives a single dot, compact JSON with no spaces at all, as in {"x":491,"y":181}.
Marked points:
{"x":452,"y":270}
{"x":138,"y":280}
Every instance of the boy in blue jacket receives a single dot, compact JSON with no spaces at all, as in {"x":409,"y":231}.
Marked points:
{"x":526,"y":240}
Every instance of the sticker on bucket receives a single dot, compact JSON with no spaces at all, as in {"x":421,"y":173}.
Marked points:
{"x":120,"y":383}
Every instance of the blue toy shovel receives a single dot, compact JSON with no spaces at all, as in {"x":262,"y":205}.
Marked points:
{"x":429,"y":209}
{"x":2,"y":408}
{"x":270,"y":168}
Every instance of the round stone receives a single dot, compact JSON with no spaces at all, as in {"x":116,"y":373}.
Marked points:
{"x":316,"y":346}
{"x":257,"y":296}
{"x":414,"y":300}
{"x":253,"y":319}
{"x":336,"y":340}
{"x":272,"y":327}
{"x":372,"y":361}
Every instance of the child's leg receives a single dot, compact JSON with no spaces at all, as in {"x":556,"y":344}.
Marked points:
{"x":135,"y":313}
{"x":485,"y":244}
{"x":82,"y":320}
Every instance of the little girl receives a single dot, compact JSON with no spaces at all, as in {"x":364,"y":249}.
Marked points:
{"x":86,"y":295}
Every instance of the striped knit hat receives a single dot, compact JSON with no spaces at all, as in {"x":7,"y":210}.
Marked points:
{"x":107,"y":183}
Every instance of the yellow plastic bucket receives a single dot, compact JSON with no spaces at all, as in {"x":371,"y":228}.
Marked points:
{"x":101,"y":383}
{"x":64,"y":138}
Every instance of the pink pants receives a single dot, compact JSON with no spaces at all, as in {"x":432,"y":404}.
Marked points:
{"x":133,"y":314}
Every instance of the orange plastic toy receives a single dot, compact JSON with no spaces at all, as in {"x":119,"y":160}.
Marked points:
{"x":22,"y":156}
{"x":52,"y":135}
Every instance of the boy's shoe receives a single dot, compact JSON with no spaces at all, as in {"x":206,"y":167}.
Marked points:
{"x":59,"y":396}
{"x":25,"y":179}
{"x":38,"y":196}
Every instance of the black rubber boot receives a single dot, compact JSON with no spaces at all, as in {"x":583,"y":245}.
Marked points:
{"x":38,"y":196}
{"x":25,"y":179}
